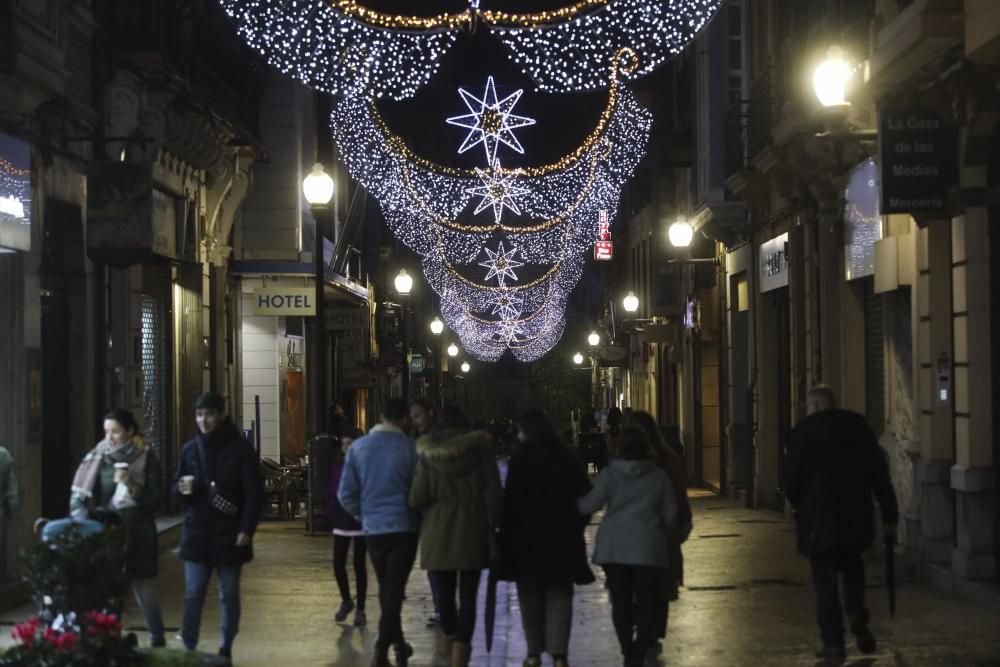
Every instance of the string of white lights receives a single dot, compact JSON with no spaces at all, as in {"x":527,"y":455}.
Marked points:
{"x":335,"y":52}
{"x":570,"y":56}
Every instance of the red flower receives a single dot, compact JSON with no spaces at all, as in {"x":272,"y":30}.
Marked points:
{"x":25,"y":632}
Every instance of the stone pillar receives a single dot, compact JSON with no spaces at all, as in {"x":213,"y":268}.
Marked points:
{"x":934,"y":338}
{"x":972,"y":473}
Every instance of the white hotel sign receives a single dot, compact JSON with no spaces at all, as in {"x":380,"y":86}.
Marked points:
{"x":287,"y":301}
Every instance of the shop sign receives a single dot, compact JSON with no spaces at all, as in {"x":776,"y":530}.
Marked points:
{"x":286,"y":301}
{"x":341,"y":319}
{"x":919,"y":158}
{"x":416,"y":363}
{"x":862,"y":221}
{"x":603,"y":251}
{"x":774,"y":263}
{"x":164,"y":224}
{"x":15,"y":193}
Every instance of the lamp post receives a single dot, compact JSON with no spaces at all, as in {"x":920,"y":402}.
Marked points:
{"x":465,"y":383}
{"x":403,"y":284}
{"x":594,"y":339}
{"x":318,"y":189}
{"x":452,"y":352}
{"x":681,"y":233}
{"x":437,"y":328}
{"x":631,"y":305}
{"x":830,"y":79}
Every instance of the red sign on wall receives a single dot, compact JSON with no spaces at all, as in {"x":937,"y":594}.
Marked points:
{"x":603,"y":251}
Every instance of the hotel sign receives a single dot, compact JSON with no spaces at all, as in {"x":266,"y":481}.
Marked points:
{"x":285,"y":301}
{"x":774,"y":263}
{"x":919,"y":158}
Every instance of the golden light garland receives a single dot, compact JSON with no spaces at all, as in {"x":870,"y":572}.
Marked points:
{"x":452,"y":21}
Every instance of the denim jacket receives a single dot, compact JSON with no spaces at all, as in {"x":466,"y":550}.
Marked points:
{"x":376,"y":481}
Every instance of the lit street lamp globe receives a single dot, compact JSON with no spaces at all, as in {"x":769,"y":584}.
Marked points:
{"x":465,"y":366}
{"x":453,"y":350}
{"x":681,"y":233}
{"x":318,"y":186}
{"x":831,"y":77}
{"x":437,"y":326}
{"x":631,"y":302}
{"x":577,"y":358}
{"x":594,"y":339}
{"x":403,"y":282}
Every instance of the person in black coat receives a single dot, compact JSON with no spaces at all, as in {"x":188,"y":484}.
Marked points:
{"x":834,"y":466}
{"x":542,"y":543}
{"x":218,"y":481}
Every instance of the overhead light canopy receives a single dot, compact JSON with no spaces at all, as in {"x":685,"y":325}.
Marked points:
{"x":318,"y":186}
{"x":403,"y":282}
{"x":830,"y":78}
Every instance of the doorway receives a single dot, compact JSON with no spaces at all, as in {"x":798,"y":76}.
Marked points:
{"x":782,"y":347}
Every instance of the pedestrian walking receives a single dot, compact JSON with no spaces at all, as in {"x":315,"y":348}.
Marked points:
{"x":542,"y":543}
{"x":375,"y":487}
{"x":669,"y":461}
{"x":423,"y":412}
{"x":834,"y":466}
{"x":123,"y":476}
{"x":457,"y":487}
{"x":632,"y":541}
{"x":218,"y":481}
{"x":347,"y":532}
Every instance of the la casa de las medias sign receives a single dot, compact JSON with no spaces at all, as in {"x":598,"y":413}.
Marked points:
{"x":919,"y":161}
{"x":285,"y":301}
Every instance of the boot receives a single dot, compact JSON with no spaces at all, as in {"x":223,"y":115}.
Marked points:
{"x":460,"y":654}
{"x":443,"y":650}
{"x":381,"y":658}
{"x":866,"y":640}
{"x":560,"y":662}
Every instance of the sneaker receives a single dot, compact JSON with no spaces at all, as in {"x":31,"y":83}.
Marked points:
{"x":346,"y":607}
{"x":865,"y":638}
{"x":832,"y":655}
{"x":403,"y":653}
{"x":532,"y":661}
{"x":433,"y":621}
{"x":360,"y":619}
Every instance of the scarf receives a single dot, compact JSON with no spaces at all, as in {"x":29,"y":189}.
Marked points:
{"x":134,"y":452}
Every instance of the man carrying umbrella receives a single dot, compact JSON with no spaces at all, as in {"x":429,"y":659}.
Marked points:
{"x":834,"y":467}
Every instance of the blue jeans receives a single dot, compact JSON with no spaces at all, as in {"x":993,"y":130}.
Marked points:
{"x":196,"y":576}
{"x":145,"y":594}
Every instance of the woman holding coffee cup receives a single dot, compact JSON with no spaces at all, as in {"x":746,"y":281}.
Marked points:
{"x":122,"y":474}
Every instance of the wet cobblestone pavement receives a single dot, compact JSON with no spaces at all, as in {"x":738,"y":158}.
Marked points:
{"x":747,"y":601}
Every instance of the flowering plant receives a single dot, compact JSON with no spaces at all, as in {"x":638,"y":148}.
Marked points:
{"x":93,"y":639}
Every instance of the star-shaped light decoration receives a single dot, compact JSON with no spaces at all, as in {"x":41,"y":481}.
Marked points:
{"x":497,"y":191}
{"x":508,"y":331}
{"x":506,"y":304}
{"x":491,"y":121}
{"x":501,"y":264}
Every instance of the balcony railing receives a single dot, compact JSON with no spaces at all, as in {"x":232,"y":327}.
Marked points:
{"x":737,"y":137}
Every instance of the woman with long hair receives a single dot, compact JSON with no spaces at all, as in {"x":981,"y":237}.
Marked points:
{"x":347,"y":532}
{"x":631,"y":542}
{"x":542,"y":537}
{"x":670,"y":462}
{"x":122,"y":475}
{"x":457,"y":487}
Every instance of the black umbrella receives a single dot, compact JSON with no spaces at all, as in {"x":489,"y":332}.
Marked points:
{"x":890,"y":574}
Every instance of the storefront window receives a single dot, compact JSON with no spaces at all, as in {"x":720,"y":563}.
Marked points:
{"x":15,"y":194}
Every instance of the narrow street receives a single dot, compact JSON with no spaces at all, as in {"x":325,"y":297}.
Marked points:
{"x":747,"y":602}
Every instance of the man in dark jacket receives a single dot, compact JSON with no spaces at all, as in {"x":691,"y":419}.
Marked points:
{"x":219,"y":482}
{"x":834,"y":466}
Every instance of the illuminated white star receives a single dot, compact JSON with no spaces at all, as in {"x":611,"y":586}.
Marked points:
{"x":497,"y":191}
{"x":501,"y":264}
{"x":491,"y":121}
{"x":506,"y":304}
{"x":508,"y":331}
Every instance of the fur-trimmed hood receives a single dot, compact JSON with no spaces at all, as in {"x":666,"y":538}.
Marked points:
{"x":456,"y":452}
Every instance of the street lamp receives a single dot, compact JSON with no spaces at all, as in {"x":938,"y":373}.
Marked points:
{"x":594,"y":339}
{"x":577,"y":358}
{"x":630,"y":302}
{"x":681,"y":233}
{"x":437,"y":327}
{"x":318,"y":188}
{"x":830,"y":78}
{"x":465,"y":366}
{"x":403,"y":282}
{"x":453,"y":350}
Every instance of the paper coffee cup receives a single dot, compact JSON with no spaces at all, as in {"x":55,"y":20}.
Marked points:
{"x":121,"y":465}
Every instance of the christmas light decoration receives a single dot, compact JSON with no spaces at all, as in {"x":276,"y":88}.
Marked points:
{"x":342,"y":45}
{"x":501,"y":264}
{"x":491,"y":121}
{"x":497,"y":190}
